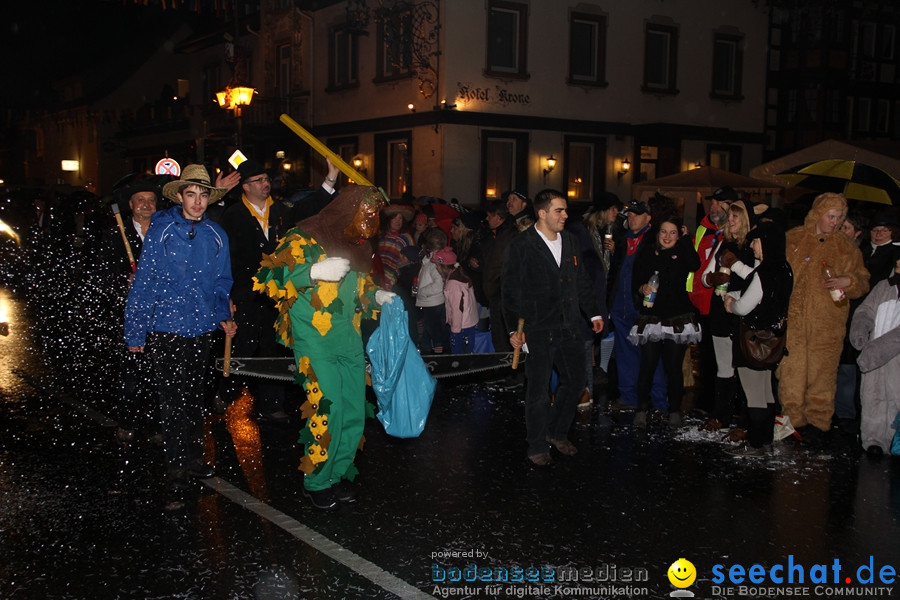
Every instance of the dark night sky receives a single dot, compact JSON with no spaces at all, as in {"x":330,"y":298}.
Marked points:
{"x":42,"y":40}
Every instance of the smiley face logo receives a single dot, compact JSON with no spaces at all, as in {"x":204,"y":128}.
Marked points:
{"x":682,"y":573}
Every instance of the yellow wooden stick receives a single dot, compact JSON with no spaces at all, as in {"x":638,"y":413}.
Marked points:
{"x":519,"y":330}
{"x":325,"y":151}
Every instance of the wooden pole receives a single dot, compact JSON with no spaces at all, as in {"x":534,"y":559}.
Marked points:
{"x":226,"y":367}
{"x":325,"y":151}
{"x":115,"y":209}
{"x":517,"y":351}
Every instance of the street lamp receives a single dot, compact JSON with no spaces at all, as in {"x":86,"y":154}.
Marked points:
{"x":235,"y":98}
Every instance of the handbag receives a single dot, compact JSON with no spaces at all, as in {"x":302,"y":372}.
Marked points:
{"x":762,"y":348}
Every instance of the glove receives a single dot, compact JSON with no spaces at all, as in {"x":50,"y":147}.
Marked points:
{"x":728,"y":259}
{"x":384,"y":297}
{"x":330,"y":269}
{"x":714,"y":279}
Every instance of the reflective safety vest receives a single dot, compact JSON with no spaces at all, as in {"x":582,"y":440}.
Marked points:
{"x":698,"y":237}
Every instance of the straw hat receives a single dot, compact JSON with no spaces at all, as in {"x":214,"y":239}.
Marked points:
{"x":193,"y":175}
{"x":404,"y":209}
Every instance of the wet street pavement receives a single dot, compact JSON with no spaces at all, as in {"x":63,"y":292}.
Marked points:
{"x":82,"y":517}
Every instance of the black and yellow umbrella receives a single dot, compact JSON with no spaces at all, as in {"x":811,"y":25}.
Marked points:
{"x":857,"y":181}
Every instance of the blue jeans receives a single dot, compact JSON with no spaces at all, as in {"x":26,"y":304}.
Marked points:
{"x":628,"y":366}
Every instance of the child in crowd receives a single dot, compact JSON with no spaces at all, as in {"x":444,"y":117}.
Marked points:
{"x":430,"y":295}
{"x":459,"y":302}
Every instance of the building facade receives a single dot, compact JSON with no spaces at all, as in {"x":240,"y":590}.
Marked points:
{"x":456,"y":99}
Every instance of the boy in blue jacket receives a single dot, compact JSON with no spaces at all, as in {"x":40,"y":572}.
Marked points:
{"x":179,"y":296}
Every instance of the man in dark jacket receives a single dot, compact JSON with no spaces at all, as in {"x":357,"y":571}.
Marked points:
{"x":137,"y":401}
{"x":501,"y":230}
{"x":623,"y":313}
{"x":546,"y":285}
{"x":254,"y":225}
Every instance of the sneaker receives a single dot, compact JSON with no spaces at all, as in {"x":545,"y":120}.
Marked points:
{"x":344,"y":491}
{"x":712,"y":424}
{"x":564,"y":446}
{"x":174,"y":502}
{"x":746,"y":451}
{"x":322,"y":499}
{"x":278,"y":417}
{"x":124,"y":436}
{"x":736,"y":434}
{"x":541,"y":460}
{"x":874,"y":451}
{"x":675,"y":420}
{"x":201,"y":470}
{"x":616,"y":405}
{"x":640,"y":419}
{"x":585,"y":401}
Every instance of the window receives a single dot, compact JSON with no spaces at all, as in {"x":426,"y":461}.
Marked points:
{"x":582,"y":162}
{"x":393,"y":161}
{"x":791,"y":108}
{"x":867,"y":40}
{"x":727,"y":67}
{"x":587,"y":49}
{"x":283,"y":71}
{"x":394,"y":46}
{"x":660,"y":59}
{"x":727,"y":158}
{"x":882,"y":116}
{"x":346,"y":148}
{"x":886,"y":45}
{"x":344,"y":59}
{"x":504,"y":156}
{"x":506,"y":44}
{"x":833,"y":106}
{"x":212,"y":82}
{"x":863,"y":113}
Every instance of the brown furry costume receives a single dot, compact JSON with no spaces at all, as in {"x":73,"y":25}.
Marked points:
{"x":816,"y":325}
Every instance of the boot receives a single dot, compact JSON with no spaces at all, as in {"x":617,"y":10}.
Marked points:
{"x":760,"y":432}
{"x":724,"y":399}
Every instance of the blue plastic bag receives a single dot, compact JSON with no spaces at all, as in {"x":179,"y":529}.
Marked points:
{"x":403,"y":386}
{"x":895,"y":442}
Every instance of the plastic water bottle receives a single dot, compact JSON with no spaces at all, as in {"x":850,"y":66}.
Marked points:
{"x":650,"y":298}
{"x":837,"y":294}
{"x":722,"y":288}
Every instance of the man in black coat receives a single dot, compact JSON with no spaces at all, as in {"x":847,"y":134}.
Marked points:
{"x":546,"y":285}
{"x":254,"y":225}
{"x":501,"y":230}
{"x":137,"y":402}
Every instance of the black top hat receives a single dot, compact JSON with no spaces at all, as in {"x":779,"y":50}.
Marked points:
{"x":725,"y":193}
{"x":250,"y":168}
{"x":883,"y":218}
